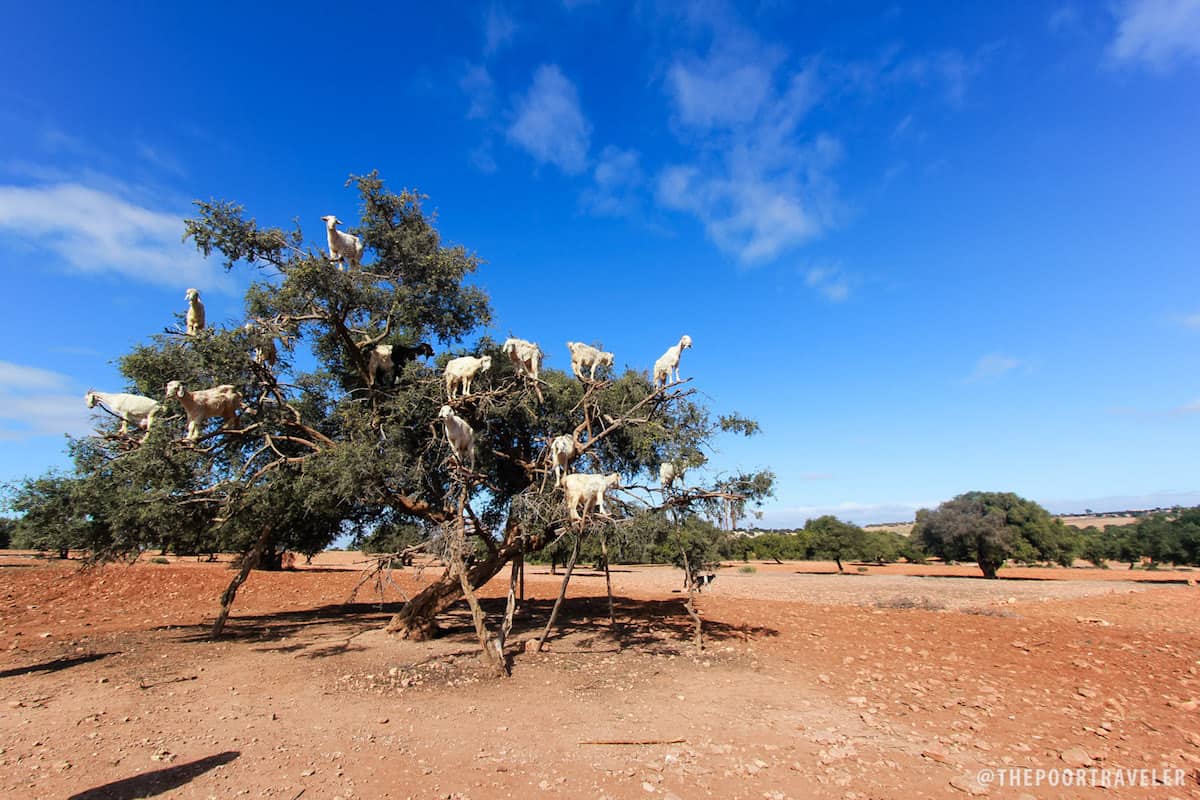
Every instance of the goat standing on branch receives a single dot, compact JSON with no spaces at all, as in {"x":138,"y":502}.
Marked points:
{"x":343,"y":246}
{"x":668,"y":362}
{"x":129,"y":407}
{"x":584,"y":355}
{"x":461,"y":372}
{"x":562,"y":450}
{"x":588,"y":490}
{"x":220,"y":401}
{"x":460,"y":435}
{"x":195,"y":313}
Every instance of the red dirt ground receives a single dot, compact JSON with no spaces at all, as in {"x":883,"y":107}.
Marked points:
{"x":875,"y":685}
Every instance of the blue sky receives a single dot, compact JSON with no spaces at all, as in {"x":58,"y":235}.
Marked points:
{"x":931,"y":247}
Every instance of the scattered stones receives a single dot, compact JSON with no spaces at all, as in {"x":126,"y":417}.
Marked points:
{"x":1076,"y":757}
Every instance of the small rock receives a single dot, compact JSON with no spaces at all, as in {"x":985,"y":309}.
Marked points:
{"x":647,"y":787}
{"x":969,"y":785}
{"x":1075,"y":757}
{"x":382,"y":720}
{"x":936,"y":755}
{"x":1085,"y":691}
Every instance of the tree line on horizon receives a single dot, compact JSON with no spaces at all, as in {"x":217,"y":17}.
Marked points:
{"x":991,"y":529}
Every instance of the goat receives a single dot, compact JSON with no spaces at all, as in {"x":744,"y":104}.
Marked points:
{"x":526,"y":356}
{"x":342,"y":246}
{"x":668,"y":362}
{"x":220,"y":401}
{"x":588,"y":490}
{"x":195,"y":312}
{"x":129,"y":407}
{"x":385,"y":362}
{"x":264,"y":345}
{"x":562,"y":450}
{"x":460,"y":435}
{"x":584,"y":355}
{"x":700,"y":581}
{"x":461,"y":372}
{"x":668,"y":473}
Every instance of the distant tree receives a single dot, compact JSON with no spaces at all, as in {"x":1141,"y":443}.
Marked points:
{"x":991,"y":527}
{"x":1097,"y":546}
{"x":832,"y":538}
{"x":7,"y":526}
{"x":881,"y":546}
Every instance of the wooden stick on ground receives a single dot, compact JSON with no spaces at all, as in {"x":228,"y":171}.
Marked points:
{"x":635,"y":741}
{"x":612,"y":620}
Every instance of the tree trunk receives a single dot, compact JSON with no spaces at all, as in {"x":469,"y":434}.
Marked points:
{"x":838,"y":560}
{"x":249,"y":561}
{"x":418,"y":618}
{"x":989,"y":568}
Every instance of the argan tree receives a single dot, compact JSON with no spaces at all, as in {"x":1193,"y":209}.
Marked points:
{"x":321,"y":450}
{"x":992,"y":527}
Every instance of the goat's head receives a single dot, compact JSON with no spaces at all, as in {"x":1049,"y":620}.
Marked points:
{"x":191,"y":294}
{"x":685,"y":342}
{"x":331,"y":221}
{"x":423,"y":349}
{"x":446,"y":412}
{"x":174,"y":389}
{"x":90,"y":398}
{"x":485,"y":363}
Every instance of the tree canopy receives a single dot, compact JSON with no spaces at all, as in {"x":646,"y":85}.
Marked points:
{"x":991,"y":527}
{"x":320,"y":450}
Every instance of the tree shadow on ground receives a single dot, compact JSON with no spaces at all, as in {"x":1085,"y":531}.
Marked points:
{"x":653,"y":626}
{"x":154,"y":783}
{"x":658,"y":626}
{"x":56,"y":664}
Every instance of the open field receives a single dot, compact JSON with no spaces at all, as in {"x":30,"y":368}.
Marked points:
{"x":899,"y":682}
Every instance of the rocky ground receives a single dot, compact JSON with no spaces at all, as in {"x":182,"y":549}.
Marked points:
{"x":866,"y":685}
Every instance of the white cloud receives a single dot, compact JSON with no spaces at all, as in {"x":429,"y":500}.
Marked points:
{"x":829,"y":281}
{"x":992,"y":366}
{"x":616,"y":180}
{"x":1160,"y":33}
{"x":719,"y":92}
{"x":477,"y":84}
{"x":756,"y":184}
{"x":499,"y":27}
{"x":33,"y":402}
{"x":1190,"y":321}
{"x":549,"y":124}
{"x":1189,"y":408}
{"x":99,"y":232}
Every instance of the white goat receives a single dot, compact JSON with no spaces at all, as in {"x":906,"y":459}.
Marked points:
{"x":588,"y":490}
{"x":342,"y":246}
{"x":526,"y":356}
{"x":668,"y":362}
{"x":584,"y":355}
{"x":129,"y":407}
{"x":264,"y":345}
{"x":562,"y":450}
{"x":668,"y":473}
{"x":460,"y":435}
{"x":195,"y":312}
{"x":220,"y":401}
{"x":461,"y":372}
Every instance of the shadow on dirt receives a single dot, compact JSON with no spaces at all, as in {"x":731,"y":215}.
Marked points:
{"x":154,"y":783}
{"x":56,"y":664}
{"x":650,"y":625}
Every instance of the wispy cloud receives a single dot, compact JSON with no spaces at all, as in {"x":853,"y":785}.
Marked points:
{"x":1190,"y":321}
{"x":1160,"y":33}
{"x":99,"y":232}
{"x":1189,"y":408}
{"x":829,"y":281}
{"x":161,"y":159}
{"x":35,"y":402}
{"x":477,"y":84}
{"x":758,"y":186}
{"x":992,"y":366}
{"x":549,"y":124}
{"x":499,"y":28}
{"x":615,"y":182}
